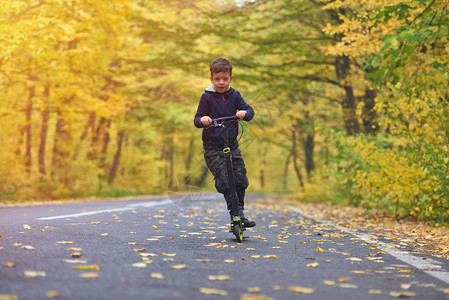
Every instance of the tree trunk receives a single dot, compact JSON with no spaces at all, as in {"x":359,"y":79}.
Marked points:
{"x":263,"y":164}
{"x":90,"y":125}
{"x":27,"y":129}
{"x":116,"y":161}
{"x":59,"y":138}
{"x":285,"y":179}
{"x":294,"y":154}
{"x":44,"y":131}
{"x":370,"y":124}
{"x":189,"y":160}
{"x":309,"y":145}
{"x":349,"y":106}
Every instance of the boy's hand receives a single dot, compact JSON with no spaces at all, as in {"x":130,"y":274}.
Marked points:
{"x":241,"y":114}
{"x":206,"y":120}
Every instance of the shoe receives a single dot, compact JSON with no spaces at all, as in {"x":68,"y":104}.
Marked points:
{"x":248,"y":223}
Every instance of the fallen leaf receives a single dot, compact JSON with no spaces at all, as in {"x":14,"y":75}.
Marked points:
{"x":9,"y":264}
{"x":178,"y":266}
{"x":270,"y":256}
{"x":89,"y":275}
{"x":168,"y":254}
{"x":302,"y":290}
{"x":86,"y":267}
{"x":52,"y":294}
{"x":132,"y":243}
{"x":93,"y":223}
{"x":228,"y":261}
{"x":139,"y":265}
{"x":33,"y":274}
{"x":377,"y":292}
{"x":318,"y":249}
{"x":104,"y":234}
{"x":209,"y":291}
{"x":8,"y":297}
{"x":329,"y":282}
{"x":25,"y":226}
{"x":349,"y":286}
{"x":313,"y":265}
{"x":76,"y":254}
{"x":28,"y":248}
{"x":255,"y":256}
{"x":277,"y":287}
{"x":254,"y":297}
{"x":405,"y":271}
{"x":140,"y":250}
{"x":354,"y":259}
{"x":64,"y":242}
{"x":358,"y":272}
{"x":157,"y":275}
{"x":155,"y":227}
{"x":219,"y":277}
{"x":446,"y":291}
{"x":402,"y":294}
{"x":343,"y":279}
{"x":406,"y":286}
{"x":74,"y":249}
{"x":254,"y":289}
{"x":148,"y":254}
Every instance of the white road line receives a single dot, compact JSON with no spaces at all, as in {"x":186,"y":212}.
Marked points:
{"x":128,"y":207}
{"x":428,"y":266}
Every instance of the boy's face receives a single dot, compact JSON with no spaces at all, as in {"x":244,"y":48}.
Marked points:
{"x":221,"y":81}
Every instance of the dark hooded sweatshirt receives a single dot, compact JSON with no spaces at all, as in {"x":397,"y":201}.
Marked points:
{"x":217,"y":105}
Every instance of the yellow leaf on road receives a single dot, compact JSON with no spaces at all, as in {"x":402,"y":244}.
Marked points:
{"x":219,"y":277}
{"x":254,"y":297}
{"x":354,"y":259}
{"x":168,"y":254}
{"x":104,"y":234}
{"x":318,"y":249}
{"x":270,"y":256}
{"x":178,"y":266}
{"x":313,"y":265}
{"x":86,"y":267}
{"x":329,"y":282}
{"x":33,"y":274}
{"x":402,"y":294}
{"x":52,"y":294}
{"x":74,"y":249}
{"x":28,"y":248}
{"x":302,"y":290}
{"x":9,"y":264}
{"x":228,"y":261}
{"x":254,"y":289}
{"x":139,"y":265}
{"x":209,"y":291}
{"x":157,"y":275}
{"x":25,"y":226}
{"x":377,"y":292}
{"x":89,"y":275}
{"x":64,"y":242}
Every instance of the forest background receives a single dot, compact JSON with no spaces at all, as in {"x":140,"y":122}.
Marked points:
{"x":351,"y":98}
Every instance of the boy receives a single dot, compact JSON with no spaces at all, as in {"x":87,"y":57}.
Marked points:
{"x":220,"y":100}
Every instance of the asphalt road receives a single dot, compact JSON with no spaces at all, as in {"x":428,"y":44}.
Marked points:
{"x":179,"y":247}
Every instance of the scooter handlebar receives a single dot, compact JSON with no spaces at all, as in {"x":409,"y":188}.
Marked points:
{"x":219,"y":121}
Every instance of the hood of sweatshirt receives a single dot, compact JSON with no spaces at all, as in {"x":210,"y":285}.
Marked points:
{"x":211,"y":88}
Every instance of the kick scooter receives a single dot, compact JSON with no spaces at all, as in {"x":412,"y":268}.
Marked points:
{"x":237,"y":226}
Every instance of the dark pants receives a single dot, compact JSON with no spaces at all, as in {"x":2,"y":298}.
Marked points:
{"x":216,"y":162}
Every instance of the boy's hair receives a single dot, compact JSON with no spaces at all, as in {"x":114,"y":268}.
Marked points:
{"x":220,"y":65}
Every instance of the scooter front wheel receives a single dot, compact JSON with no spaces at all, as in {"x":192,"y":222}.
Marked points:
{"x":238,"y":231}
